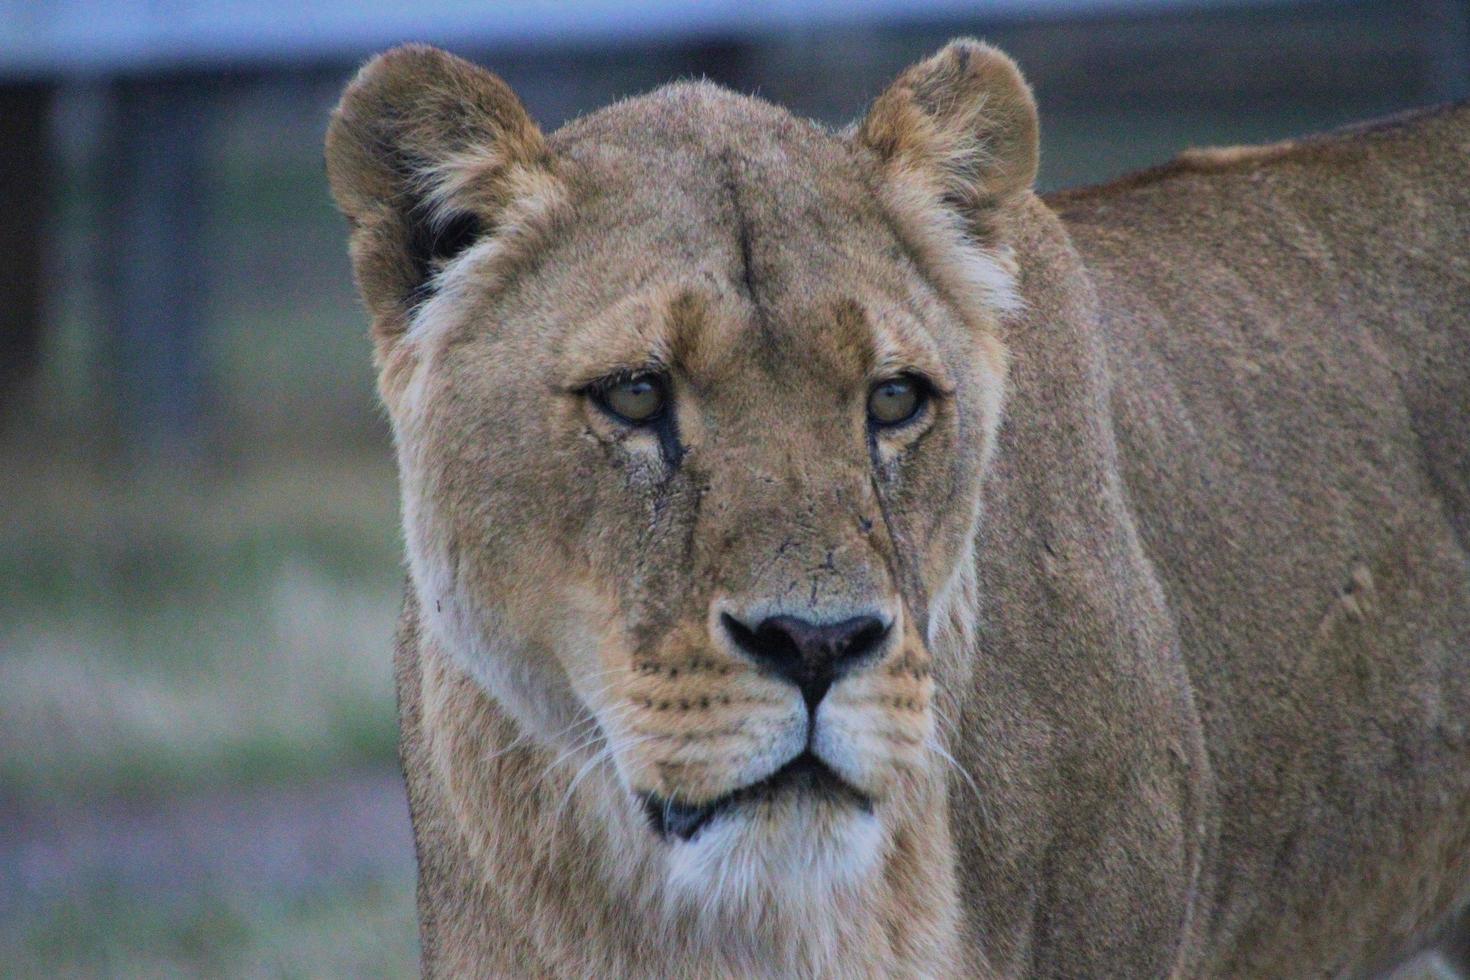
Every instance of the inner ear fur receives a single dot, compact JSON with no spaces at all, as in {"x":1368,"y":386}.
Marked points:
{"x":961,"y":128}
{"x":427,"y":154}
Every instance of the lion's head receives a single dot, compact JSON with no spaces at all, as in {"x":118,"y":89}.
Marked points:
{"x":692,"y":401}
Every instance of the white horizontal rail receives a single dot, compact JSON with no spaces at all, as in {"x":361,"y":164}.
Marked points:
{"x":69,"y":37}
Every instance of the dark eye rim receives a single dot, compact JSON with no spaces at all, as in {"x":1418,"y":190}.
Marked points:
{"x":598,"y":391}
{"x":923,"y":388}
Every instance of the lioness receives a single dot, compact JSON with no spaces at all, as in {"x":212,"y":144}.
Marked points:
{"x":828,"y":558}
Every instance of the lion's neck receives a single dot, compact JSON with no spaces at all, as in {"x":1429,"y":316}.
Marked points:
{"x":529,"y":862}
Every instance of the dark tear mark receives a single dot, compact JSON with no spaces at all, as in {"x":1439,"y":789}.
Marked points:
{"x":906,"y":574}
{"x":667,"y":430}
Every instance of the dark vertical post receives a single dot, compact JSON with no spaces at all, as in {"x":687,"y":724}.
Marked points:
{"x":24,"y":200}
{"x":153,"y":262}
{"x":1446,"y":27}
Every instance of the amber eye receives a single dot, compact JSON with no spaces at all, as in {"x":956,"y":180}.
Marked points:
{"x":895,"y":401}
{"x":639,"y":399}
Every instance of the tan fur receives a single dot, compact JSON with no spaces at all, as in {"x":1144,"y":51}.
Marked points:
{"x":1176,"y":561}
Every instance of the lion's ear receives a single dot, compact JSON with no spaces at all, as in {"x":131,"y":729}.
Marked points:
{"x":959,"y":127}
{"x":427,"y":154}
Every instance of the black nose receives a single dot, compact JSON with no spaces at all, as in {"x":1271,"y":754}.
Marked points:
{"x":810,"y":655}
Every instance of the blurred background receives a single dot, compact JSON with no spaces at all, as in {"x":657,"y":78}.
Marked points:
{"x":199,"y":557}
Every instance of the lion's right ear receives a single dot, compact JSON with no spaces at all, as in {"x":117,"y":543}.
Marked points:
{"x":428,"y":154}
{"x":956,"y":142}
{"x":960,"y":127}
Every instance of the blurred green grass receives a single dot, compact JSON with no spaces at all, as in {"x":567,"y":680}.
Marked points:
{"x":161,"y":635}
{"x":353,"y":930}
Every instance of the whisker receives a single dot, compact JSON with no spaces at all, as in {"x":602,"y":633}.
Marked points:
{"x":615,"y":713}
{"x":583,"y":742}
{"x":944,"y":720}
{"x":943,"y":753}
{"x":602,"y":755}
{"x":524,"y":736}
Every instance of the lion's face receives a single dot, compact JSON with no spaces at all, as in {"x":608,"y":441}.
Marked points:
{"x":691,"y":452}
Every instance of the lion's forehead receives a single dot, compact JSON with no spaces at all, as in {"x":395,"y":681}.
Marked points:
{"x":736,"y":269}
{"x":689,"y":168}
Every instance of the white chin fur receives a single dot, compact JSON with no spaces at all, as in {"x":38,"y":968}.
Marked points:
{"x":791,"y":853}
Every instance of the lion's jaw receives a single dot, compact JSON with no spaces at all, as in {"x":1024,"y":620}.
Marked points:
{"x":789,"y":890}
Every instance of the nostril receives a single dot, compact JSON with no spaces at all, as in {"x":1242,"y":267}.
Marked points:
{"x":768,"y":647}
{"x":808,"y":654}
{"x":866,"y":637}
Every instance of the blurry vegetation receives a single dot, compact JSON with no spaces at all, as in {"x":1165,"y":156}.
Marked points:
{"x":161,"y":635}
{"x":360,"y":929}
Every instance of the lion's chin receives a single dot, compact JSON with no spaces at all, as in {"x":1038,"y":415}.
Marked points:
{"x":803,"y":832}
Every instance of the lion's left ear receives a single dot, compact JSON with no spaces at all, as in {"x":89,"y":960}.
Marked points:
{"x":428,"y":154}
{"x":959,"y":127}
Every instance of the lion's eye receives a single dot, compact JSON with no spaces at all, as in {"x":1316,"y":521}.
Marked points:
{"x":639,"y":399}
{"x":895,"y":401}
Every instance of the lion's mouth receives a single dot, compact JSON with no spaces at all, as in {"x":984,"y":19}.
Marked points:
{"x":803,"y":774}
